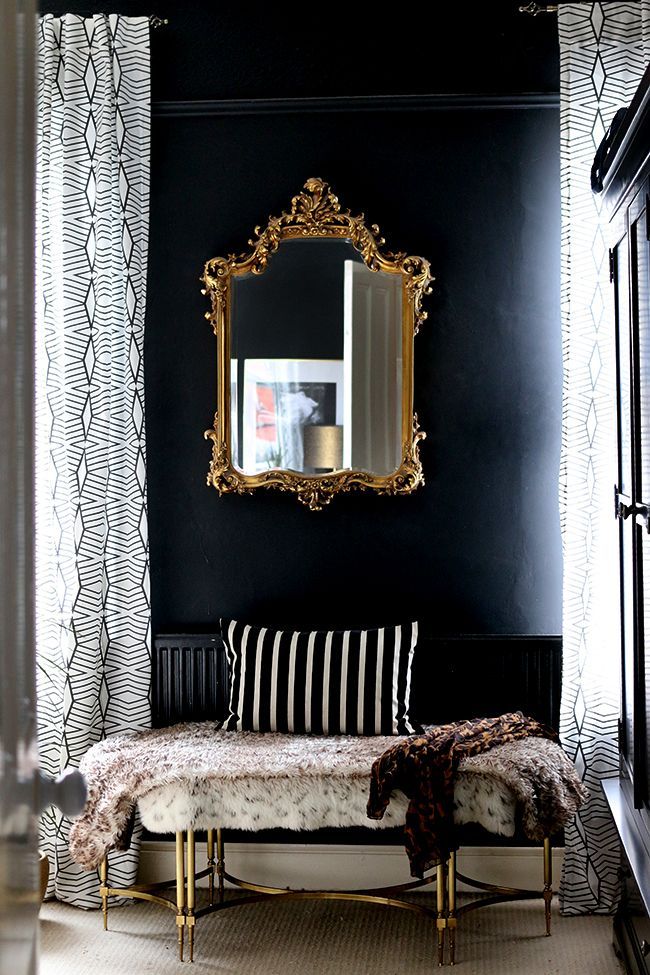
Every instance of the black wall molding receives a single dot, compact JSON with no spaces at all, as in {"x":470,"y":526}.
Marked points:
{"x":356,"y":103}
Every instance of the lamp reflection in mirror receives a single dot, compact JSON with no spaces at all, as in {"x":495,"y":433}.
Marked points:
{"x":323,"y":447}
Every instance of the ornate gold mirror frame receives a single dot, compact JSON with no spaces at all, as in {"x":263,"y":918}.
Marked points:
{"x":315,"y":212}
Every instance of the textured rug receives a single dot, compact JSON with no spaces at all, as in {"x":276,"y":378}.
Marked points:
{"x":323,"y":938}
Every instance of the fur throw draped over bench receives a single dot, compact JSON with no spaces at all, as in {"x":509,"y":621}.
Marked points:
{"x":424,"y":768}
{"x":197,"y":776}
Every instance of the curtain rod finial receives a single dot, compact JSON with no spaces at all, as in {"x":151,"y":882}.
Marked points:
{"x":158,"y":22}
{"x":535,"y":8}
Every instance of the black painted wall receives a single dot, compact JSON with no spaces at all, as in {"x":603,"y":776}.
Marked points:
{"x":473,"y":189}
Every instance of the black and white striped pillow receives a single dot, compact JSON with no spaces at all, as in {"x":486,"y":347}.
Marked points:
{"x":346,"y":682}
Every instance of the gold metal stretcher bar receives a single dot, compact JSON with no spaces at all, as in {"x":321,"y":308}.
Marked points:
{"x":445,"y":876}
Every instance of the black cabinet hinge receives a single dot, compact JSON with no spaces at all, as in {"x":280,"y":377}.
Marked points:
{"x":612,"y":265}
{"x":621,"y":743}
{"x":622,"y":506}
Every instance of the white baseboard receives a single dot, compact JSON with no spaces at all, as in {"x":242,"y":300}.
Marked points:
{"x":326,"y":867}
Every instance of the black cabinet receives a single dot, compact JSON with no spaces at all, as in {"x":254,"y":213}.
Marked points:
{"x":632,"y":924}
{"x":627,"y":198}
{"x":630,"y":264}
{"x":632,"y":920}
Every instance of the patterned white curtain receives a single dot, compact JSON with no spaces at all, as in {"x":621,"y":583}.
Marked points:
{"x":92,"y":567}
{"x":603,"y":54}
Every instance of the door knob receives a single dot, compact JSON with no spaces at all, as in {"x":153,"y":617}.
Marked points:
{"x":68,"y":792}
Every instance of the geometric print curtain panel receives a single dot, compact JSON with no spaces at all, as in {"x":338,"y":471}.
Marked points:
{"x":92,"y":553}
{"x":602,"y":59}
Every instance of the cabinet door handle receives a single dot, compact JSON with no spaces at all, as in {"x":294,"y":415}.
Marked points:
{"x":624,"y":508}
{"x":641,"y":514}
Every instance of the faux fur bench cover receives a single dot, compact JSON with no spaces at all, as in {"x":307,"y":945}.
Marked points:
{"x":196,"y":776}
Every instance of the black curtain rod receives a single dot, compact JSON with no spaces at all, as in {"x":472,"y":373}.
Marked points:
{"x":552,"y":8}
{"x":154,"y":20}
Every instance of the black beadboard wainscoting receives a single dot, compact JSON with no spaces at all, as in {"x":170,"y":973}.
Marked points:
{"x":454,"y":677}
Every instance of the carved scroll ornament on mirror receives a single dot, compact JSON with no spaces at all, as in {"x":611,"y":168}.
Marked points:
{"x":315,"y":327}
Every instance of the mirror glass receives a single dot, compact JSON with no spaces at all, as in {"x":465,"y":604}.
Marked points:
{"x":316,"y":363}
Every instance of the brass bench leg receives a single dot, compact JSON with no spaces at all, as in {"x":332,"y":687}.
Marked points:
{"x":220,"y":863}
{"x":548,"y":882}
{"x":180,"y":891}
{"x":103,"y":889}
{"x":442,"y":920}
{"x":451,"y":913}
{"x":190,"y":919}
{"x":210,"y":857}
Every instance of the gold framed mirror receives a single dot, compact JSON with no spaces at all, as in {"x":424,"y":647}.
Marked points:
{"x":315,"y":327}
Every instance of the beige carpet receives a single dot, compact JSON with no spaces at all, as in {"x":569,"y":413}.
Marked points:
{"x":322,"y":938}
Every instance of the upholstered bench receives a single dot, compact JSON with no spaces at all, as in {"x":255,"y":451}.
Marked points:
{"x":197,"y":777}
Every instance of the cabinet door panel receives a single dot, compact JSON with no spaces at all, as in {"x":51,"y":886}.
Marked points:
{"x":624,"y":488}
{"x":641,"y":464}
{"x":632,"y":297}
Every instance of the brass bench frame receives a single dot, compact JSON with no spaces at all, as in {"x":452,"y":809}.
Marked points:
{"x":445,"y":876}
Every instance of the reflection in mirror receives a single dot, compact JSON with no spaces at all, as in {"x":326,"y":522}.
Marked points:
{"x":282,"y":398}
{"x":316,"y":363}
{"x":315,"y":327}
{"x":373,"y":369}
